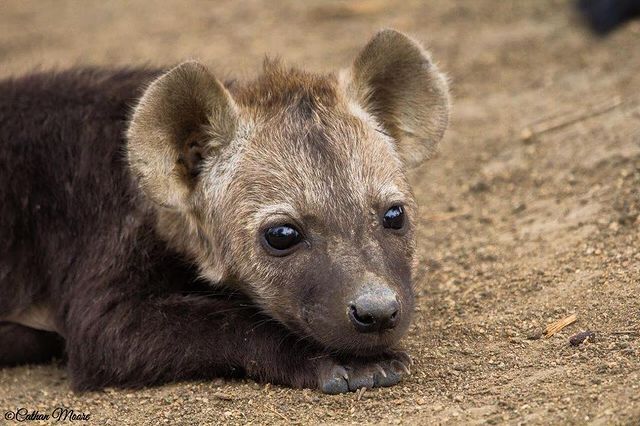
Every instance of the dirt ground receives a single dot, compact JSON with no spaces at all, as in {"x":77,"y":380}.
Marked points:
{"x":529,"y":213}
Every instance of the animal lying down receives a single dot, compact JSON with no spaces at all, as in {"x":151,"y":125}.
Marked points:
{"x":160,"y":225}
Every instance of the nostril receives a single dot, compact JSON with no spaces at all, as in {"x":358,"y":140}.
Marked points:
{"x":391,"y":321}
{"x":364,"y":319}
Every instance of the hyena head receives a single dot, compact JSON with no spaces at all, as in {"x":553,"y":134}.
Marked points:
{"x":293,"y":188}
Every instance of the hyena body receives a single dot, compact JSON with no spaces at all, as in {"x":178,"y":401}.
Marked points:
{"x":261,"y":229}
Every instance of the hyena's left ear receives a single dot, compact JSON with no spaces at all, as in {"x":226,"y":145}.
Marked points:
{"x":394,"y":80}
{"x":182,"y":119}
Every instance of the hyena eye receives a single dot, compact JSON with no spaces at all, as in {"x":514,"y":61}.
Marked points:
{"x":281,"y":238}
{"x":393,"y":218}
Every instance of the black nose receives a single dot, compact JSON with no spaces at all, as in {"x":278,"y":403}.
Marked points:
{"x":374,"y":309}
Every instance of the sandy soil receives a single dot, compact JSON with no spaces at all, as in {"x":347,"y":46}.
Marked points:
{"x":516,"y":231}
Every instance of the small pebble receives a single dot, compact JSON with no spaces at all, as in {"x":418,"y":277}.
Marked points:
{"x":526,"y":135}
{"x":534,"y":335}
{"x":582,"y":337}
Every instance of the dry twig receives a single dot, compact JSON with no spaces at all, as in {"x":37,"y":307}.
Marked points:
{"x":564,"y":120}
{"x":556,"y":326}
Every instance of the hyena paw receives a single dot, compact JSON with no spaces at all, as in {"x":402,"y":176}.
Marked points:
{"x":341,"y":377}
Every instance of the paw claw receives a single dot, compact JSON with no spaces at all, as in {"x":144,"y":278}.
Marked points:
{"x":341,"y":372}
{"x":404,"y":357}
{"x":336,"y":381}
{"x":400,"y":365}
{"x":381,"y":370}
{"x":407,"y":359}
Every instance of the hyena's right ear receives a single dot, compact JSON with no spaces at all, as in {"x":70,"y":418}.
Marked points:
{"x":183,"y":117}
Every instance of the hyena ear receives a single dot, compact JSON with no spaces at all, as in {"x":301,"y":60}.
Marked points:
{"x":394,"y":80}
{"x":184,"y":116}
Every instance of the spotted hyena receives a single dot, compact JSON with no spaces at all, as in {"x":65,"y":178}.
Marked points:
{"x":160,"y":225}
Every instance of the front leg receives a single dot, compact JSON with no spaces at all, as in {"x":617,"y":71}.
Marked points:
{"x":131,"y":342}
{"x":127,"y":341}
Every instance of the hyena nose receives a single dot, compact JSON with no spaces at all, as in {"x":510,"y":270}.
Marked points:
{"x":374,"y":309}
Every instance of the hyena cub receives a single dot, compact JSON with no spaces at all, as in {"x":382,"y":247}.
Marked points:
{"x":263,"y":229}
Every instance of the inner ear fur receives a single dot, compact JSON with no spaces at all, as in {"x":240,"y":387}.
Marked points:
{"x":183,"y":117}
{"x":394,"y":79}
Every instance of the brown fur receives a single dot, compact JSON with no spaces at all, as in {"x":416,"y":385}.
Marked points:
{"x":215,"y":166}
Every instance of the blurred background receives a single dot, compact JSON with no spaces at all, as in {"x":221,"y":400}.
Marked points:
{"x":529,"y":211}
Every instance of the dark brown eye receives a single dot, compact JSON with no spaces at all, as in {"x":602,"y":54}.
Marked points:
{"x":282,"y":237}
{"x":394,"y":218}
